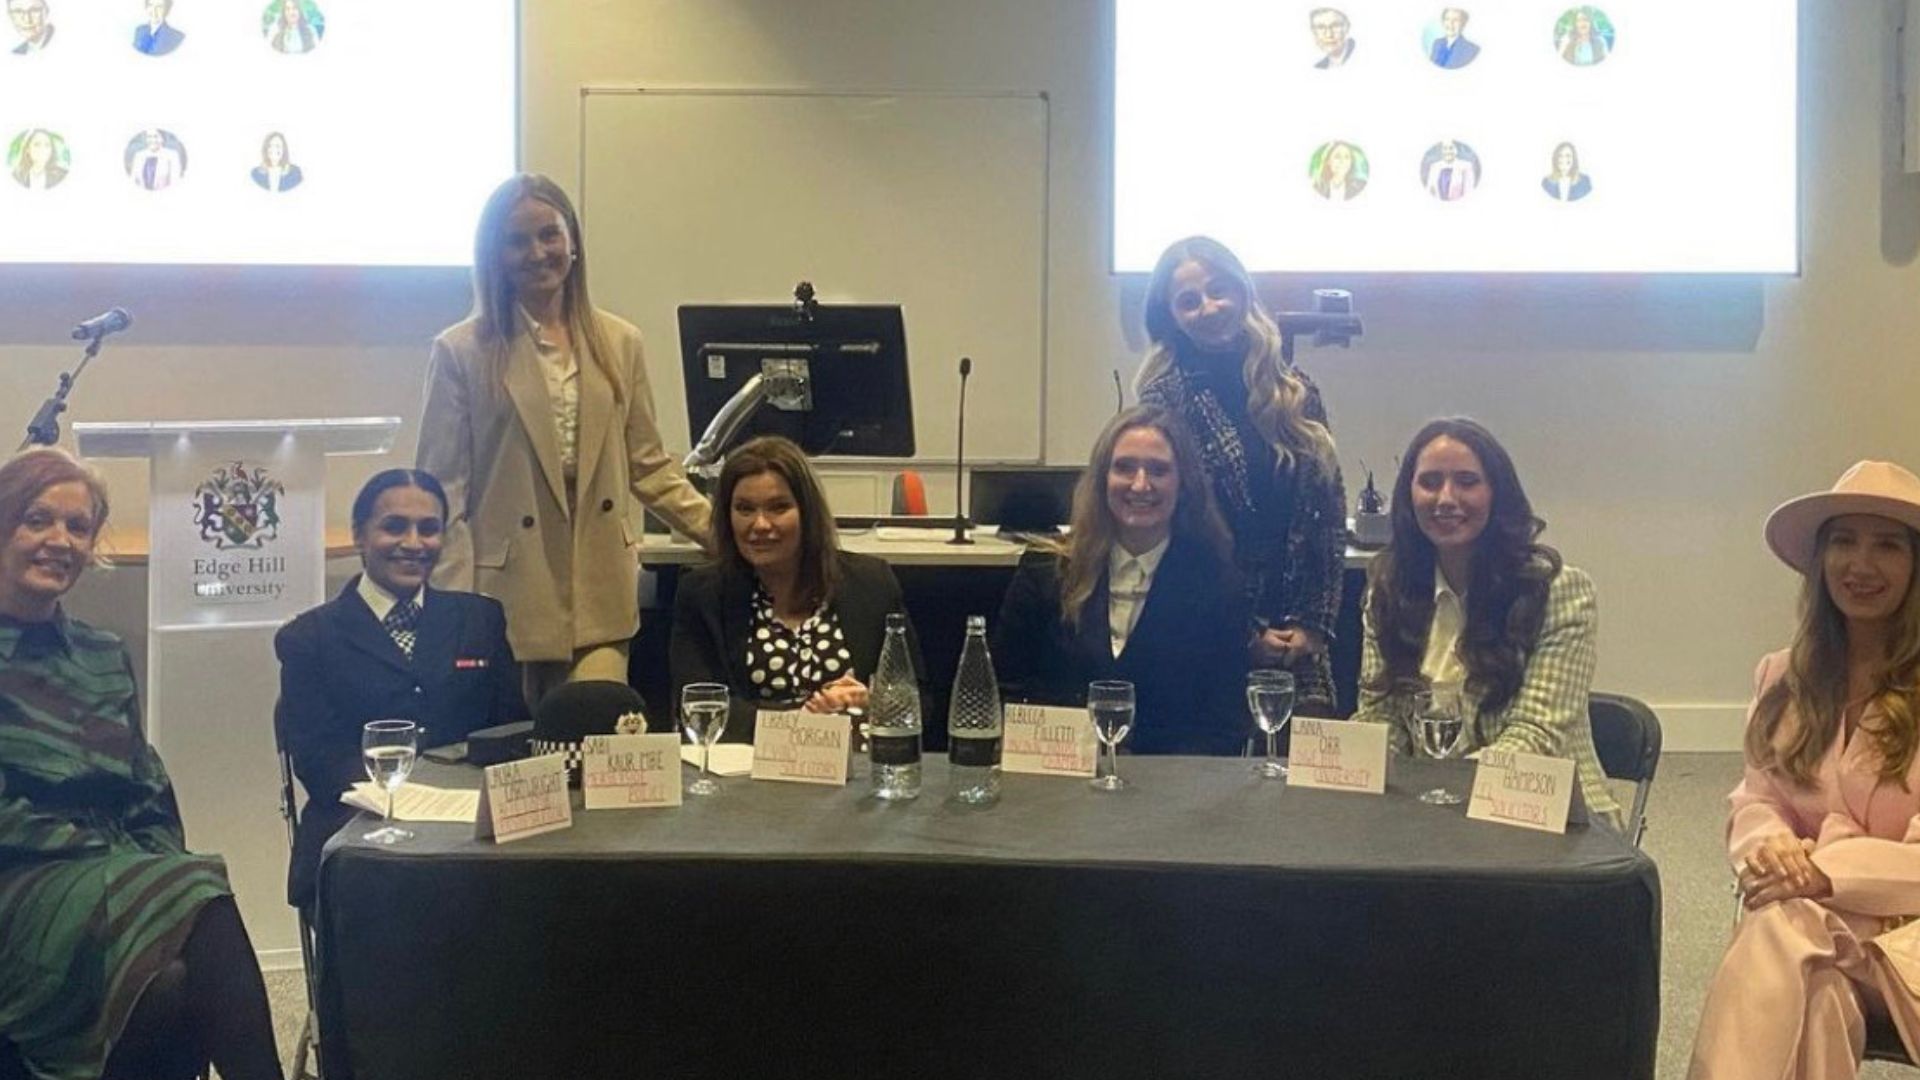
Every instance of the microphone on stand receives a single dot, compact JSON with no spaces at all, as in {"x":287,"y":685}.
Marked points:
{"x":960,"y":459}
{"x":109,"y":322}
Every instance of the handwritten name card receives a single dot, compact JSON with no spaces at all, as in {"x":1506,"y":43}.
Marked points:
{"x":623,"y":771}
{"x":1338,"y":755}
{"x":802,"y":747}
{"x":1047,"y":740}
{"x":1527,"y":790}
{"x":524,"y":798}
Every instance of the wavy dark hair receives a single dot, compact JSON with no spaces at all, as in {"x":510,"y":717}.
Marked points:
{"x":819,"y":539}
{"x":1196,"y":519}
{"x":1512,"y":572}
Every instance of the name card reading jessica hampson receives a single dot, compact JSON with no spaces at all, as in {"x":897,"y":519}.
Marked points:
{"x":626,"y":771}
{"x":1338,"y":755}
{"x":1527,"y":790}
{"x":1047,"y":740}
{"x":524,"y":798}
{"x":801,"y":747}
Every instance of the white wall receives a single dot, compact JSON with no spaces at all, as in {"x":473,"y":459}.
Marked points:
{"x":1655,"y":422}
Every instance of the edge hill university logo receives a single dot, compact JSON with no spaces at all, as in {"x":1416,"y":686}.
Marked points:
{"x":237,"y":508}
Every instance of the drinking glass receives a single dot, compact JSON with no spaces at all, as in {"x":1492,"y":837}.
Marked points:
{"x":1440,"y":724}
{"x":387,"y":747}
{"x":1270,"y":699}
{"x":703,"y":710}
{"x":1110,"y":703}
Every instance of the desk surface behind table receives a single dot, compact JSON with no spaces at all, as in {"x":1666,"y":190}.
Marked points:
{"x":901,"y":547}
{"x":1201,"y":923}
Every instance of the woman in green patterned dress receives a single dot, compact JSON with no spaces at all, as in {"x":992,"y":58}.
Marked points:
{"x":121,"y":954}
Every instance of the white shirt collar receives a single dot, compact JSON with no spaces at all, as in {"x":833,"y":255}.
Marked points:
{"x":380,"y":600}
{"x":1148,"y":560}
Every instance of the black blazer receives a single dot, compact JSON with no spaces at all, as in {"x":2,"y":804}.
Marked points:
{"x":1186,"y":657}
{"x":712,"y":615}
{"x":339,"y":669}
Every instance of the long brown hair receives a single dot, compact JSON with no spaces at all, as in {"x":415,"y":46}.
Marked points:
{"x":1196,"y":519}
{"x":819,"y":572}
{"x":1276,"y":398}
{"x":1816,"y":685}
{"x":1512,"y":573}
{"x":496,"y":306}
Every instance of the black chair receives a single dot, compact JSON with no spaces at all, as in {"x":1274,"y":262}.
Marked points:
{"x":1626,"y":735}
{"x":307,"y":1050}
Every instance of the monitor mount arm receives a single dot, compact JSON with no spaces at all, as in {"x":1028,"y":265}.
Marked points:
{"x":786,"y":383}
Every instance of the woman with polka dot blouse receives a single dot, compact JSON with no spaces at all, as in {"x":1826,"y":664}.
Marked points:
{"x":782,"y":615}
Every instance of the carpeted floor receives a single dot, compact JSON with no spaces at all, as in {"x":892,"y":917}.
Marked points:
{"x":1687,"y":812}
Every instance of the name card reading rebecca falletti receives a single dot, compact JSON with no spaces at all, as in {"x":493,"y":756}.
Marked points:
{"x":1047,"y":740}
{"x":802,"y":747}
{"x":524,"y":798}
{"x":620,"y":772}
{"x":1338,"y":755}
{"x":1528,"y":790}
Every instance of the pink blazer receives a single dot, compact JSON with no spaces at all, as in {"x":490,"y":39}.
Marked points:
{"x":1866,"y":830}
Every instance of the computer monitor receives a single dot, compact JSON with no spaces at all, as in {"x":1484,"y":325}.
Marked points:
{"x":849,"y":362}
{"x":1022,"y":498}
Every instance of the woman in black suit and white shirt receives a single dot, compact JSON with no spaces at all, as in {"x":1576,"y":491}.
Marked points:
{"x":782,"y":615}
{"x":1143,"y":589}
{"x":389,"y":647}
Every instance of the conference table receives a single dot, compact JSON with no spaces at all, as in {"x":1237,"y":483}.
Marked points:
{"x":1202,"y":922}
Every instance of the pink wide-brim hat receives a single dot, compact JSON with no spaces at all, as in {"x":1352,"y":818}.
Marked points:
{"x":1880,"y":488}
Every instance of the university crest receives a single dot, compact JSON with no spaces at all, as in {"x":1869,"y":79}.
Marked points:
{"x":238,"y":508}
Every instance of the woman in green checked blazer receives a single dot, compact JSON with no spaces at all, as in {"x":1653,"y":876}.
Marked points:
{"x":121,"y":953}
{"x":1466,"y":598}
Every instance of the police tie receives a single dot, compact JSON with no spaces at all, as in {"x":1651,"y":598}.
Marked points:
{"x":400,"y":623}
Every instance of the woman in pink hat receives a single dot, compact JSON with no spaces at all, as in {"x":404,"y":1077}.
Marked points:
{"x":1824,"y":831}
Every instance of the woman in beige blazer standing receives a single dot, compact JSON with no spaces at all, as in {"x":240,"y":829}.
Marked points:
{"x":539,"y":421}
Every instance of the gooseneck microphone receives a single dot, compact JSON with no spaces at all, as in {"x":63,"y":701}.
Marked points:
{"x":108,"y":322}
{"x":960,"y":460}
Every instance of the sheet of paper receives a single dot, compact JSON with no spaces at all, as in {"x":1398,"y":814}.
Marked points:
{"x":524,"y":798}
{"x":729,"y":759}
{"x":416,"y":802}
{"x":802,"y":747}
{"x":1048,"y":740}
{"x":1338,"y":755}
{"x":621,"y":772}
{"x":1526,"y":790}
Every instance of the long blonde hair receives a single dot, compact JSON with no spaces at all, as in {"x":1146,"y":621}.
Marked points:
{"x":1276,"y":398}
{"x":495,"y":304}
{"x":1083,"y":554}
{"x":1816,"y":685}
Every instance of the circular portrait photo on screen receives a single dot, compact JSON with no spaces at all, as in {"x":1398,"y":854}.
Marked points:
{"x":38,"y":159}
{"x":157,"y":36}
{"x":1583,"y":36}
{"x":1331,"y":37}
{"x":32,"y":25}
{"x":155,"y":159}
{"x":293,"y":27}
{"x":1445,"y":40}
{"x":1565,"y":180}
{"x":1450,"y":170}
{"x":276,"y":171}
{"x":1338,"y":171}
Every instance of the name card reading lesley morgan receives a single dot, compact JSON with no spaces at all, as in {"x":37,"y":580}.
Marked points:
{"x":524,"y":798}
{"x":620,"y":772}
{"x":802,"y":747}
{"x":1047,"y":740}
{"x":1338,"y":755}
{"x":1528,"y":790}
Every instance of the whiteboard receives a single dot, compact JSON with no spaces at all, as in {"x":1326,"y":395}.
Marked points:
{"x":937,"y":202}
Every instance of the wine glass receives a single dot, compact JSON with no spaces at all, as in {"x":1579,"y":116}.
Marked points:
{"x":1110,"y":703}
{"x":703,"y":709}
{"x":1270,"y":699}
{"x":387,"y":747}
{"x":1440,"y":722}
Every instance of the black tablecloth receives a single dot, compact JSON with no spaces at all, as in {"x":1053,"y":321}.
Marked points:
{"x":1201,"y":923}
